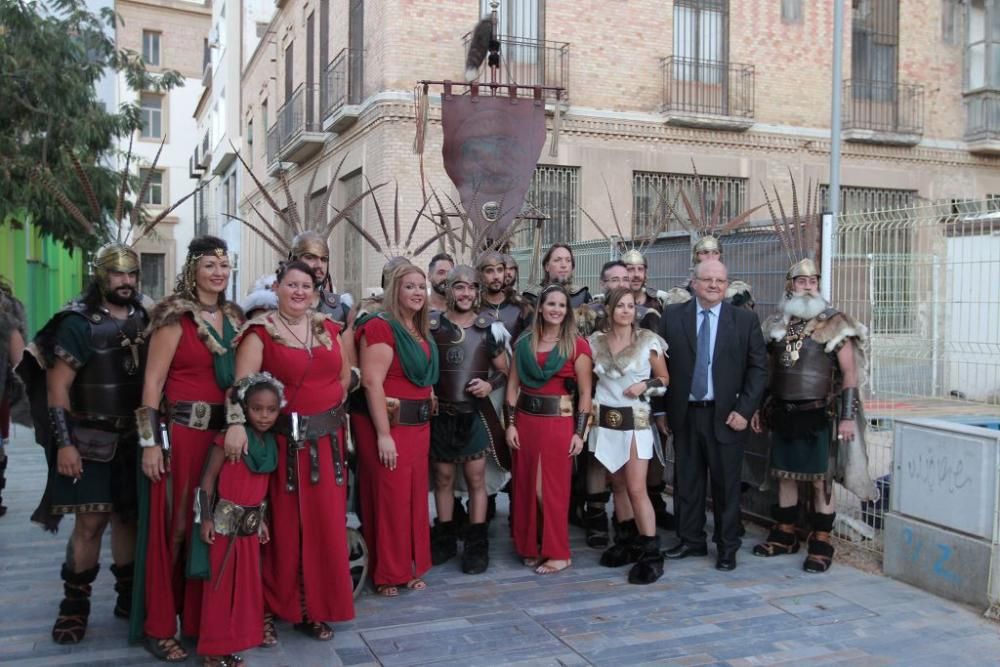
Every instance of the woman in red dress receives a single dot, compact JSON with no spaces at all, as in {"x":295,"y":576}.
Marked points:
{"x":189,"y":365}
{"x":307,"y":578}
{"x":550,"y":362}
{"x":398,"y":368}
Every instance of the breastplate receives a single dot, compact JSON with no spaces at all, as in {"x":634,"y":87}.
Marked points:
{"x":330,"y":304}
{"x":464,"y":356}
{"x":110,"y":383}
{"x":810,"y":377}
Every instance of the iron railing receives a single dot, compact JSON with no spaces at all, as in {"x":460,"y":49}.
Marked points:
{"x":532,"y":62}
{"x":883,"y":107}
{"x":982,"y":116}
{"x":342,"y":82}
{"x":693,"y":85}
{"x":273,"y":144}
{"x":297,"y":115}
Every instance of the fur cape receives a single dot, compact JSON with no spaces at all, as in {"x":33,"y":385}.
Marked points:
{"x":629,"y":358}
{"x":268,"y":320}
{"x":171,"y":309}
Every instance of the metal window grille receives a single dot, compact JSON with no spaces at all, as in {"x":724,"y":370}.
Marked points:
{"x":701,"y":39}
{"x":555,"y":192}
{"x":648,"y":187}
{"x":151,"y":271}
{"x":351,"y":247}
{"x":875,"y":49}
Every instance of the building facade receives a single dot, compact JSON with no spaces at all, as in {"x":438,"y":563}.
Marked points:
{"x":741,"y":90}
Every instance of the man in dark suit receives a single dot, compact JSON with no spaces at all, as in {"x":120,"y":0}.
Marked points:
{"x":718,"y":373}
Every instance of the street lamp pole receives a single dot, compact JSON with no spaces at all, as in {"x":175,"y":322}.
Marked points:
{"x":830,"y":221}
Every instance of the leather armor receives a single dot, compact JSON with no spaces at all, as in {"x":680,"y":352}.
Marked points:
{"x":652,"y":301}
{"x":331,"y":304}
{"x":464,"y":355}
{"x":810,"y":377}
{"x":110,"y":383}
{"x":510,"y":314}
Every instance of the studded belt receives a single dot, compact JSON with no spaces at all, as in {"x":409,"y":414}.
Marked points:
{"x":233,"y":519}
{"x":622,"y":419}
{"x":304,"y":434}
{"x":199,"y":415}
{"x":546,"y":406}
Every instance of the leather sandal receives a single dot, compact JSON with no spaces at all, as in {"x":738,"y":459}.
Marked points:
{"x":781,"y":541}
{"x":316,"y":629}
{"x":387,"y":590}
{"x":270,"y":632}
{"x":167,"y":650}
{"x":820,"y":556}
{"x":416,"y":584}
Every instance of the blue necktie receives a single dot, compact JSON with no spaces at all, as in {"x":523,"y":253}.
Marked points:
{"x":699,"y":385}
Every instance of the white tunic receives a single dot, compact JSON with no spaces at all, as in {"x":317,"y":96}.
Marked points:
{"x":615,"y":374}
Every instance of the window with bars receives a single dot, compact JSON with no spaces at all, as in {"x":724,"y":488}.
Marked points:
{"x":151,"y":48}
{"x":352,"y":249}
{"x":554,"y":192}
{"x":875,"y":49}
{"x":152,"y":274}
{"x":701,"y":40}
{"x":649,"y":189}
{"x":154,"y":191}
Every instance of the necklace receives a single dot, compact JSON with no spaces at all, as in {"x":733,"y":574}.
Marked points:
{"x":307,"y":343}
{"x":290,"y":322}
{"x":211,"y":309}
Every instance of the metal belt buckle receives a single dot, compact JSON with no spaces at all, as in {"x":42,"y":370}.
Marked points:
{"x":201,"y":415}
{"x":613,"y":418}
{"x":425,"y":411}
{"x":250,"y":522}
{"x":533,"y":404}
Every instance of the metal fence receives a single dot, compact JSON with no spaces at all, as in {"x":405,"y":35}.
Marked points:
{"x":694,"y":85}
{"x":883,"y":107}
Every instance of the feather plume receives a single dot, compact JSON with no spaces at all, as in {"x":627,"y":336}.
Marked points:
{"x":278,"y":236}
{"x":260,"y":186}
{"x":292,"y":213}
{"x":46,"y":182}
{"x":88,"y":189}
{"x":381,"y":218}
{"x":479,"y":45}
{"x":123,"y":190}
{"x":341,"y":215}
{"x":141,"y":197}
{"x":264,"y":237}
{"x":148,"y":227}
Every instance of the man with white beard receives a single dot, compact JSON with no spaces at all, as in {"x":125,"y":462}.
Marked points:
{"x":815,"y":363}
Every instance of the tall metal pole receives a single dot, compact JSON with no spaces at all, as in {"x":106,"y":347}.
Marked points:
{"x":830,"y":221}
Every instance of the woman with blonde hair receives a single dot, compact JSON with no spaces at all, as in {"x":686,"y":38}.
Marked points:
{"x":551,"y":364}
{"x":399,"y":366}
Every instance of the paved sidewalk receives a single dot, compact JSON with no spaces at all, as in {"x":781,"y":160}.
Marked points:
{"x":766,"y":612}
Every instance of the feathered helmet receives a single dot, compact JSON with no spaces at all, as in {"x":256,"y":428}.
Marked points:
{"x":706,"y":225}
{"x":631,"y":250}
{"x":799,"y":233}
{"x":245,"y":385}
{"x":118,"y":255}
{"x":470,"y":244}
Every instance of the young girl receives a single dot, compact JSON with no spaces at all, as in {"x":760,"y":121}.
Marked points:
{"x":231,"y":515}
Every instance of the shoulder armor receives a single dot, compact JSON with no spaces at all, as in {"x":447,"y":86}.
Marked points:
{"x":434,"y":321}
{"x":484,"y":320}
{"x":331,"y":299}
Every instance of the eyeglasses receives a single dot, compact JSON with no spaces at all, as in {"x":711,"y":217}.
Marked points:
{"x":712,"y":281}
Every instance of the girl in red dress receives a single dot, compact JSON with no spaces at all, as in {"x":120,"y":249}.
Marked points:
{"x":231,"y":511}
{"x":542,"y":429}
{"x":189,"y":366}
{"x":398,"y":369}
{"x":307,"y":578}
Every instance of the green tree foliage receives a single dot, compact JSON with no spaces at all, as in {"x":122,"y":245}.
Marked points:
{"x":52,"y":53}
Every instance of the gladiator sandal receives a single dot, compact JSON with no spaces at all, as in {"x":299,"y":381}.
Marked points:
{"x":820,"y":549}
{"x":595,"y":521}
{"x":444,"y":542}
{"x":74,"y":610}
{"x":649,"y":567}
{"x":664,"y":519}
{"x":476,"y":552}
{"x":625,"y":550}
{"x":782,"y":538}
{"x":123,"y":586}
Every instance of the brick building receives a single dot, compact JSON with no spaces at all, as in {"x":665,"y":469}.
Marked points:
{"x":742,"y":88}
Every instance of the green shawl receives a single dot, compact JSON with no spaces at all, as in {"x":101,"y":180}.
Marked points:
{"x":531,"y":374}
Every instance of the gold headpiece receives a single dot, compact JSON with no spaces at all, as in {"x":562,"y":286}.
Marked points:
{"x":706,"y":243}
{"x":633,"y":258}
{"x":309,"y":242}
{"x":805,"y":267}
{"x":115,"y":257}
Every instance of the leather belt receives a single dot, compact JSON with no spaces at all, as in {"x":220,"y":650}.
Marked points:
{"x":310,"y":429}
{"x":546,"y":406}
{"x":120,"y":425}
{"x":455,"y":408}
{"x":239,"y":520}
{"x":199,"y":415}
{"x":802,"y":407}
{"x":409,"y":412}
{"x":701,"y":404}
{"x":621,"y":419}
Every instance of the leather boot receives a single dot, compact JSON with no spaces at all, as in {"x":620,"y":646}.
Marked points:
{"x":625,"y":549}
{"x":476,"y":551}
{"x":664,"y":519}
{"x":123,"y":586}
{"x":74,"y":610}
{"x":820,"y":549}
{"x":444,"y":542}
{"x":595,"y":520}
{"x":782,"y":538}
{"x":649,"y":567}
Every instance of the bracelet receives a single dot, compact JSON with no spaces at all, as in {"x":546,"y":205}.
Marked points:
{"x":510,"y":415}
{"x":59,"y":421}
{"x":497,"y":380}
{"x":234,"y":410}
{"x":849,"y":403}
{"x":581,"y":423}
{"x":147,"y":422}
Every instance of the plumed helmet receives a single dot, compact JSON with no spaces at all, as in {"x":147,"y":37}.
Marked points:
{"x":633,"y":258}
{"x":309,"y":242}
{"x":706,"y":243}
{"x":803,"y":267}
{"x":114,"y":257}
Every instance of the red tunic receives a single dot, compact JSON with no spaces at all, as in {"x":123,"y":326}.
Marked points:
{"x":191,"y":377}
{"x":232,"y":618}
{"x":545,"y":445}
{"x":307,"y":554}
{"x":394,"y":507}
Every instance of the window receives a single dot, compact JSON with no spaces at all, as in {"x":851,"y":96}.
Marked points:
{"x":151,"y":48}
{"x":874,"y":49}
{"x":791,"y":11}
{"x":151,"y":115}
{"x":982,"y":50}
{"x":151,"y":271}
{"x":261,"y":28}
{"x":523,"y":19}
{"x":951,"y":21}
{"x":250,"y":142}
{"x":555,"y":192}
{"x":352,"y":249}
{"x":154,"y":191}
{"x":701,"y":40}
{"x":649,"y":189}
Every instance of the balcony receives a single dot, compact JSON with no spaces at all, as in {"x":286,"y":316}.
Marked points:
{"x":341,"y":90}
{"x":299,"y":134}
{"x":883,"y":113}
{"x":206,"y":153}
{"x":531,"y":62}
{"x":982,"y":122}
{"x":708,"y":94}
{"x":195,"y":170}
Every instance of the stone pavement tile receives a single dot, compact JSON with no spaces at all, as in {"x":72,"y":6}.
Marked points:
{"x":821,"y":607}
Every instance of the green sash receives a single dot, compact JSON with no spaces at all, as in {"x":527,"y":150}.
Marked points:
{"x":224,"y":364}
{"x":531,"y":374}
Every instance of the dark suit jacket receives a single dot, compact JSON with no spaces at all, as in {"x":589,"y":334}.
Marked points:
{"x":739,"y":366}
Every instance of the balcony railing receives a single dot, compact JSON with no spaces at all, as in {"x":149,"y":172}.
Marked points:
{"x":531,"y":62}
{"x":982,"y":121}
{"x":273,"y":144}
{"x":206,"y":151}
{"x":298,"y":131}
{"x":343,"y":82}
{"x":696,"y":87}
{"x":875,"y":111}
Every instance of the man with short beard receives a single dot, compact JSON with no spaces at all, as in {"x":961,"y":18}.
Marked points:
{"x":646,"y":298}
{"x":311,"y":248}
{"x":93,"y":355}
{"x":815,"y":361}
{"x":437,"y":276}
{"x":558,"y":265}
{"x":498,"y":298}
{"x":511,"y":273}
{"x":473,"y":363}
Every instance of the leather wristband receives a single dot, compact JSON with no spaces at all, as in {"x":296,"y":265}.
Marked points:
{"x":234,"y":410}
{"x":59,"y":422}
{"x":580,"y":427}
{"x":849,"y":403}
{"x":202,"y":505}
{"x":497,"y":380}
{"x":509,"y":415}
{"x":147,"y":421}
{"x":653,"y":383}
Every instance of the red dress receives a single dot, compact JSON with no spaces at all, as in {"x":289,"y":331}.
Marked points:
{"x":307,"y":555}
{"x":394,"y":506}
{"x":544,"y":444}
{"x":169,"y":592}
{"x":232,"y":607}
